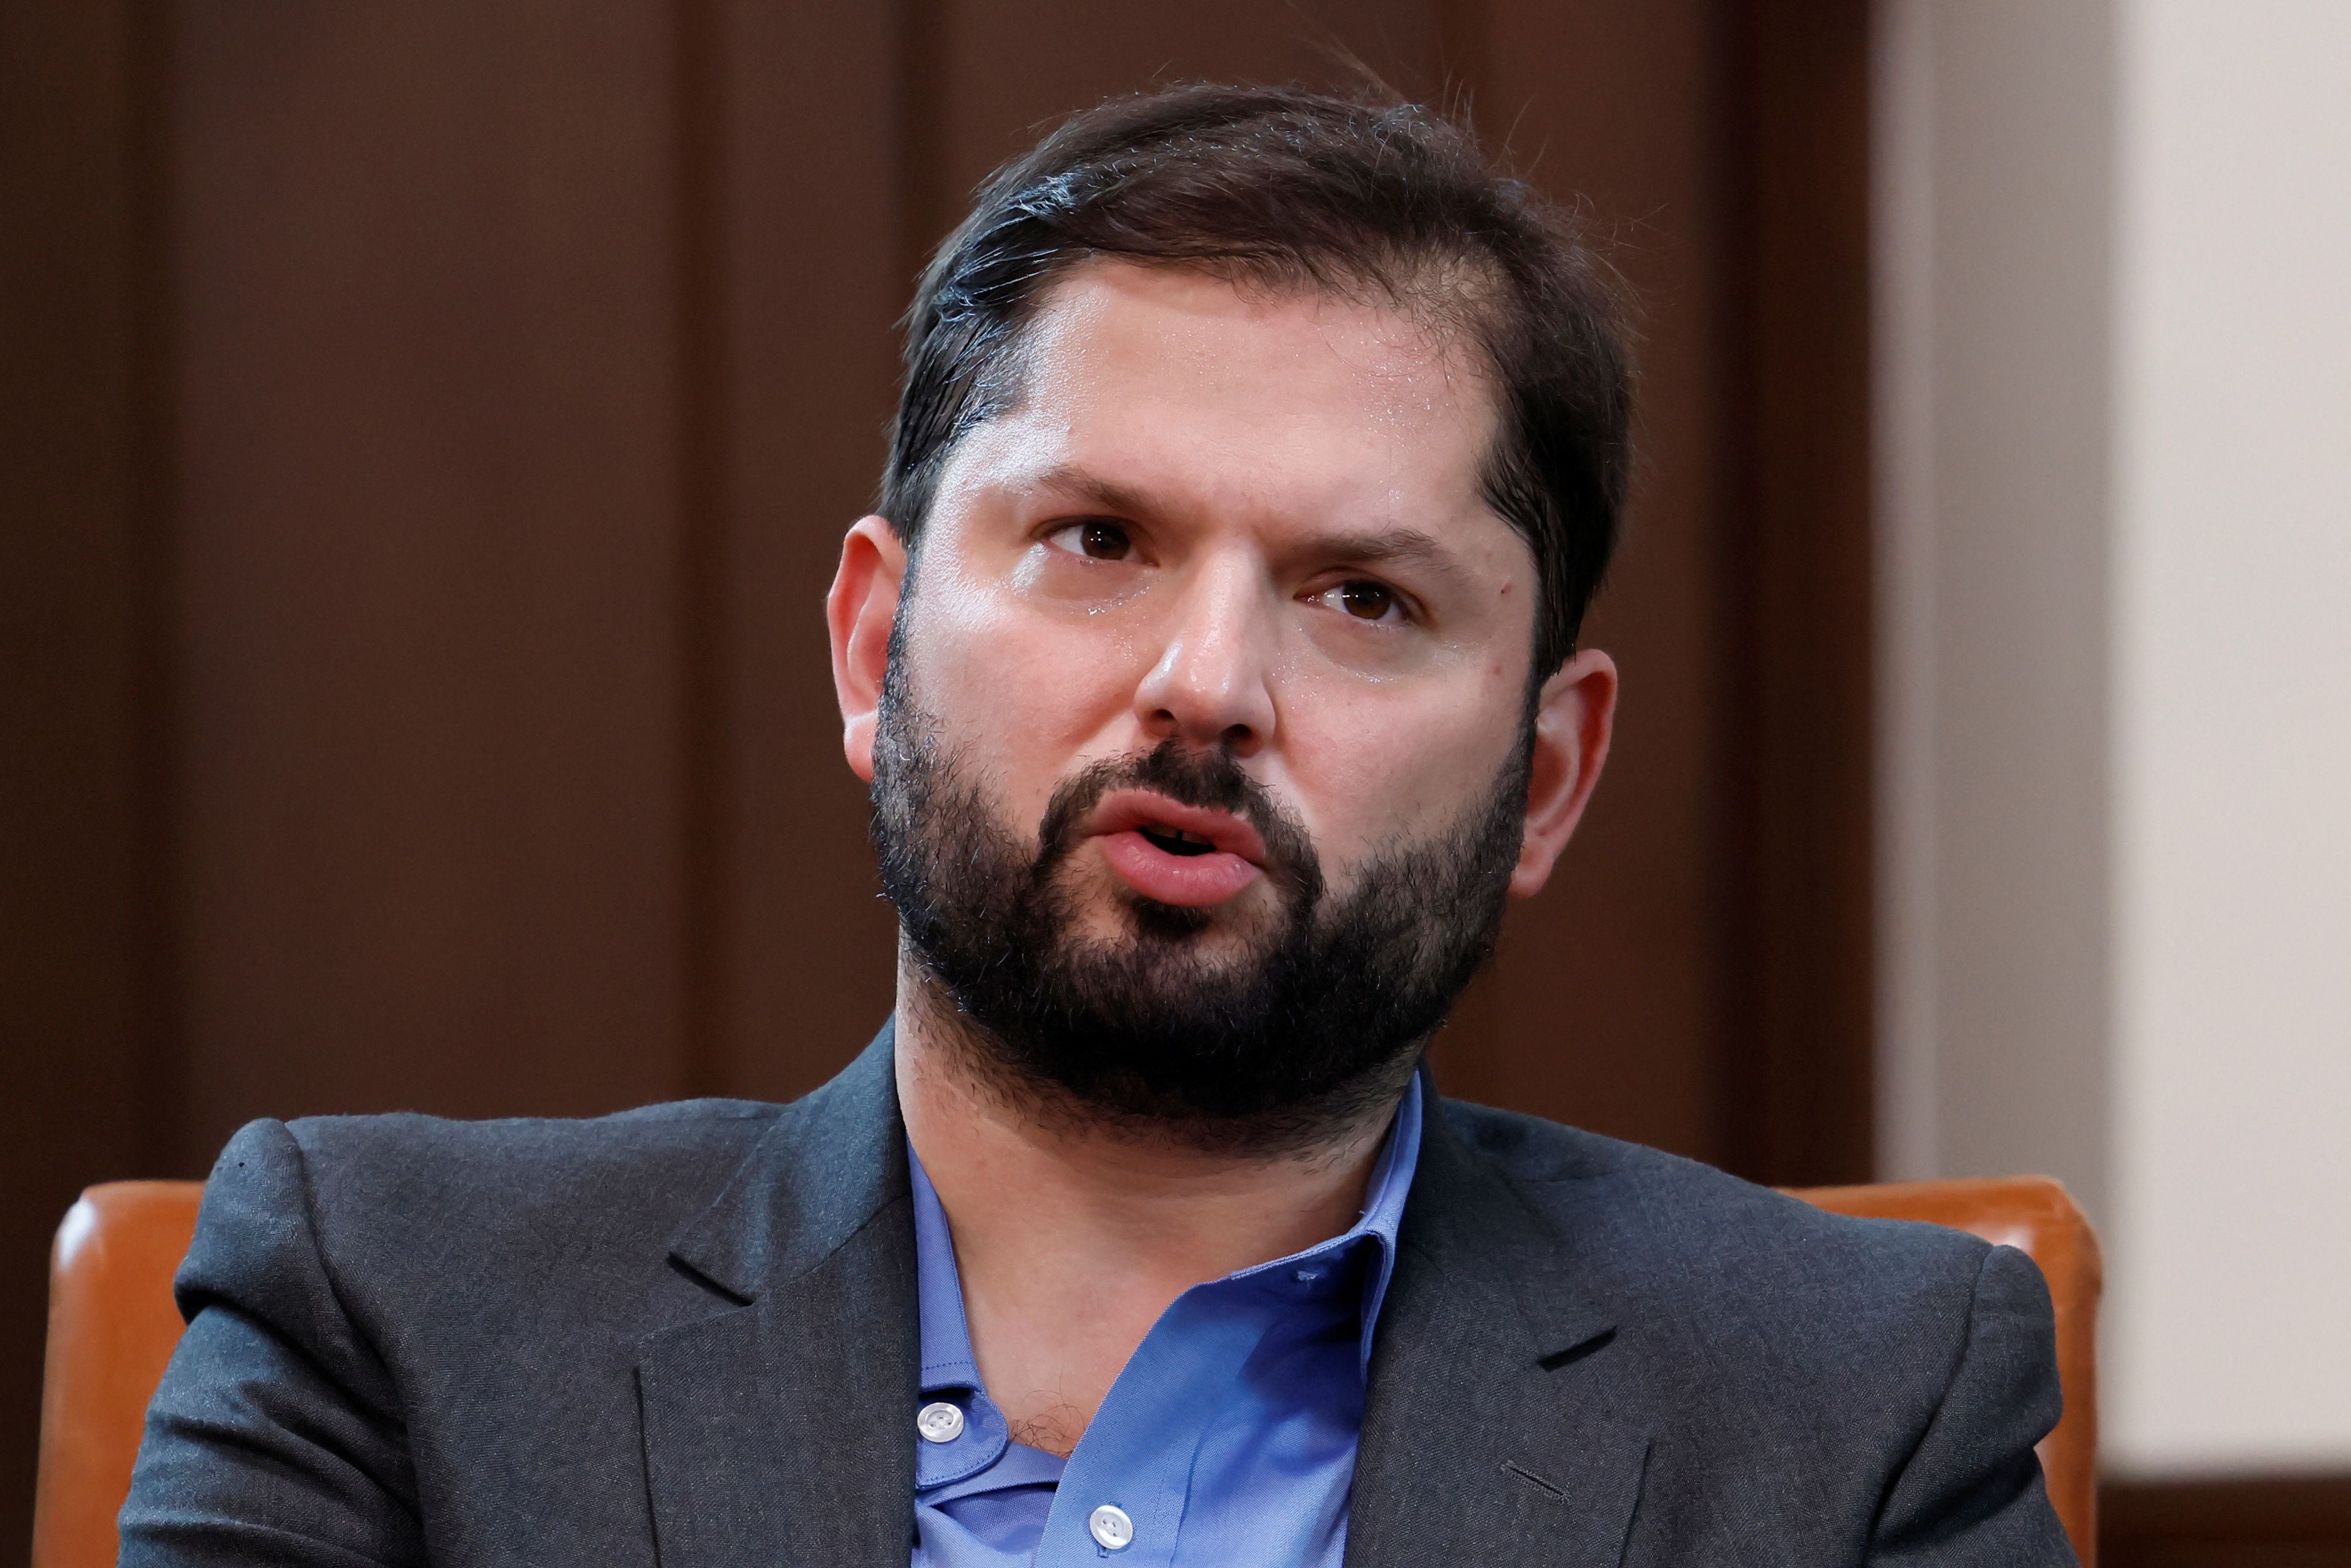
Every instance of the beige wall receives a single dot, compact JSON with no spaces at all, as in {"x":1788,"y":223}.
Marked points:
{"x":2232,"y":734}
{"x":2116,"y":674}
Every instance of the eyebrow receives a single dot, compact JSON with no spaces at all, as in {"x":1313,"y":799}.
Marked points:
{"x":1389,"y":547}
{"x":1402,"y":547}
{"x":1094,"y":490}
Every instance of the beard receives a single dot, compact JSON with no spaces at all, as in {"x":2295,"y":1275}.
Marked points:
{"x":1304,"y":1022}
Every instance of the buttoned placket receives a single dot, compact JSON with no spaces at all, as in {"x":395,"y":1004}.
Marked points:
{"x":1140,"y":1453}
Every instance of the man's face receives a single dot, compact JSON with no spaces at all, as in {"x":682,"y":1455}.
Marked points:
{"x":1213,"y":677}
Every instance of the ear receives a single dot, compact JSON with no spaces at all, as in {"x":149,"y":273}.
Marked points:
{"x":1573,"y":718}
{"x":858,"y":614}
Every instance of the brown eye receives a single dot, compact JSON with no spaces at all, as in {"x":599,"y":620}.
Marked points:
{"x":1104,"y":541}
{"x":1366,"y":600}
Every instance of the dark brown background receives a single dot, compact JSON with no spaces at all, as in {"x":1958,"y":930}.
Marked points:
{"x":428,"y":432}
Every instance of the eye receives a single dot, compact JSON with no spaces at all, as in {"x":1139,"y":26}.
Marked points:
{"x":1095,"y":537}
{"x":1366,"y":599}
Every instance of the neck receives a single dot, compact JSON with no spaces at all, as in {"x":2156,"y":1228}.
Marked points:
{"x":1037,"y":1196}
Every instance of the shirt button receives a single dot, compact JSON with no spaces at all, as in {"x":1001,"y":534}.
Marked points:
{"x":1110,"y":1527}
{"x":939,"y":1423}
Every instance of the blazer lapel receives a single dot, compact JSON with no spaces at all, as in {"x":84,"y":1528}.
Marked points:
{"x":1498,"y":1426}
{"x":778,"y":1429}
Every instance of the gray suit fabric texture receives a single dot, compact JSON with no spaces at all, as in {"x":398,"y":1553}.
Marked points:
{"x":686,"y":1336}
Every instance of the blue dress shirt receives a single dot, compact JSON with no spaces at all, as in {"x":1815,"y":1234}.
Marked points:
{"x":1230,"y":1436}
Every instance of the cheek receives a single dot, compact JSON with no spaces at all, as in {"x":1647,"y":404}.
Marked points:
{"x":1022,"y":696}
{"x":1368,"y":765}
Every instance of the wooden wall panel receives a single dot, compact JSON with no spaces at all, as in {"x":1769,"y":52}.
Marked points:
{"x":1800,"y":1040}
{"x":2287,"y":1520}
{"x":73,"y":581}
{"x":811,"y":279}
{"x":425,"y":515}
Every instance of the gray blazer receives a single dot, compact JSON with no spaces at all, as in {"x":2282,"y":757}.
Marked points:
{"x":686,"y":1335}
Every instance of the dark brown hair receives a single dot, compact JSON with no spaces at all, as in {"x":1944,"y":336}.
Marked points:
{"x":1289,"y":188}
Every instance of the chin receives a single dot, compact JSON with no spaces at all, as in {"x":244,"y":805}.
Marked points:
{"x":1235,"y":927}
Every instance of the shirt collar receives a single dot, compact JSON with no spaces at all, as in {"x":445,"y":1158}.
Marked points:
{"x":1374,"y":1228}
{"x":948,"y":1361}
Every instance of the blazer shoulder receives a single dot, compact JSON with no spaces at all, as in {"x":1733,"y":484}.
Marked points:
{"x":657,"y":1164}
{"x":402,"y":1203}
{"x":1652,"y":1224}
{"x":1833,"y":1323}
{"x":669,"y":1130}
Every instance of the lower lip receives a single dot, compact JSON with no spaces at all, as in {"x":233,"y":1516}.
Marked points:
{"x":1192,"y":881}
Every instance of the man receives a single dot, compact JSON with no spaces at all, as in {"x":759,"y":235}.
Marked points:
{"x":1214,"y":661}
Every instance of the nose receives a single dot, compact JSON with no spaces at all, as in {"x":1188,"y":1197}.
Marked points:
{"x":1211,"y":686}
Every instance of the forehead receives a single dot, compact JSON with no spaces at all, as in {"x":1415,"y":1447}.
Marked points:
{"x":1262,"y":397}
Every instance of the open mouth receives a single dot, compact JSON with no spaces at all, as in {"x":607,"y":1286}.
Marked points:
{"x":1171,"y":853}
{"x":1175,"y":840}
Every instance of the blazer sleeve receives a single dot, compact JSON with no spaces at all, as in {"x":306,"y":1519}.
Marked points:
{"x":1970,"y":1493}
{"x":277,"y":1435}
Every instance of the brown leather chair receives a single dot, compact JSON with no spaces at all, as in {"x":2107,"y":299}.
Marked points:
{"x":2036,"y":1215}
{"x":112,"y":1326}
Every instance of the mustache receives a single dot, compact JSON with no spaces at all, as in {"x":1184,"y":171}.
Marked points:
{"x":1210,"y":781}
